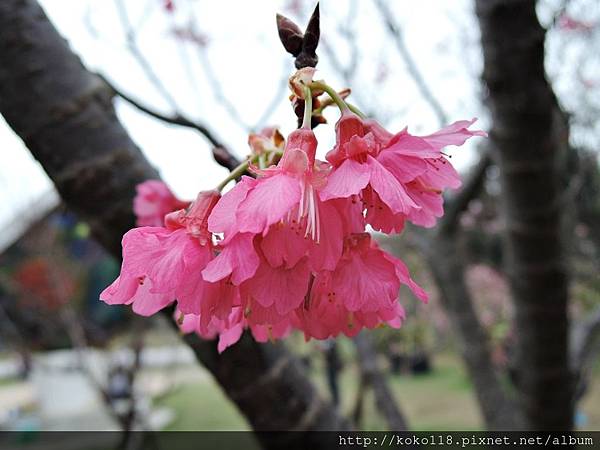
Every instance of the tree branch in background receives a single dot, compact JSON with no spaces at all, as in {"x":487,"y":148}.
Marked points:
{"x":220,"y":152}
{"x":471,"y":188}
{"x":217,"y":90}
{"x":529,"y":134}
{"x":280,"y":93}
{"x":371,"y":375}
{"x":69,"y":124}
{"x":131,"y":40}
{"x":444,"y":255}
{"x":348,"y":71}
{"x":395,"y":33}
{"x":200,"y":49}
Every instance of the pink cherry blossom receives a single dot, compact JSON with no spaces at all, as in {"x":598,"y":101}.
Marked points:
{"x":287,"y":249}
{"x":399,"y":177}
{"x":361,"y":292}
{"x":283,"y":207}
{"x":153,"y":201}
{"x":356,"y":168}
{"x":161,"y":265}
{"x":229,"y":330}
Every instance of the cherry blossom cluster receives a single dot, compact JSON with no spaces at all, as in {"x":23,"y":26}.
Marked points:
{"x":288,"y":248}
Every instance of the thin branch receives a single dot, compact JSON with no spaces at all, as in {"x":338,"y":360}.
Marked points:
{"x":279,"y":94}
{"x":396,"y":33}
{"x":372,"y":375}
{"x":347,"y":32}
{"x":471,"y":188}
{"x":131,"y":41}
{"x":220,"y":152}
{"x":217,"y":90}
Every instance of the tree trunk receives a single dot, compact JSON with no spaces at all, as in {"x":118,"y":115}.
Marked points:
{"x":445,"y":261}
{"x":65,"y":116}
{"x":445,"y":257}
{"x":528,"y":136}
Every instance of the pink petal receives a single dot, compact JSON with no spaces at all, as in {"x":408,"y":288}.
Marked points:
{"x":269,"y":202}
{"x":441,"y":174}
{"x":229,"y":336}
{"x":120,"y":291}
{"x":348,"y":179}
{"x":178,"y":258}
{"x":454,"y":134}
{"x":222,"y":219}
{"x":153,"y":201}
{"x":281,"y":287}
{"x":325,"y":254}
{"x":408,"y":145}
{"x":147,"y":303}
{"x":391,"y":192}
{"x":381,"y":217}
{"x":404,"y":277}
{"x":404,"y":168}
{"x":238,"y":259}
{"x":367,"y":281}
{"x":284,"y":246}
{"x":431,"y":207}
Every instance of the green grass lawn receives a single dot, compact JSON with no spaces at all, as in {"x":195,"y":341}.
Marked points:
{"x":440,"y":400}
{"x":202,"y":406}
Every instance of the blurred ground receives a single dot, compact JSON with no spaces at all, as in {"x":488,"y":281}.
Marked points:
{"x":179,"y":395}
{"x":441,"y":400}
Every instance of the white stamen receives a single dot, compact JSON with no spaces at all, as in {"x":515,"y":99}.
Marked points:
{"x":302,"y":200}
{"x":312,"y":215}
{"x":308,"y":209}
{"x":318,"y":224}
{"x":310,"y":225}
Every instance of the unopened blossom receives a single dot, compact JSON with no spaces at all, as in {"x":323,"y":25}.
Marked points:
{"x":399,"y":177}
{"x":162,"y":264}
{"x":153,"y":201}
{"x":269,"y":139}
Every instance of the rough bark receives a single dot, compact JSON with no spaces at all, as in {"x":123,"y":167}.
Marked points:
{"x":528,"y":136}
{"x":65,"y":117}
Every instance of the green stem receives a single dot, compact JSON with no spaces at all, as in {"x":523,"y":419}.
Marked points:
{"x":307,"y":120}
{"x":237,"y":172}
{"x":339,"y":101}
{"x":262,"y":161}
{"x":356,"y":111}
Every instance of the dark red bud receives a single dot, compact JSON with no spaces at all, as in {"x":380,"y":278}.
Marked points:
{"x":290,"y":35}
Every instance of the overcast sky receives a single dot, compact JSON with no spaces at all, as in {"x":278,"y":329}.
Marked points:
{"x":246,"y":57}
